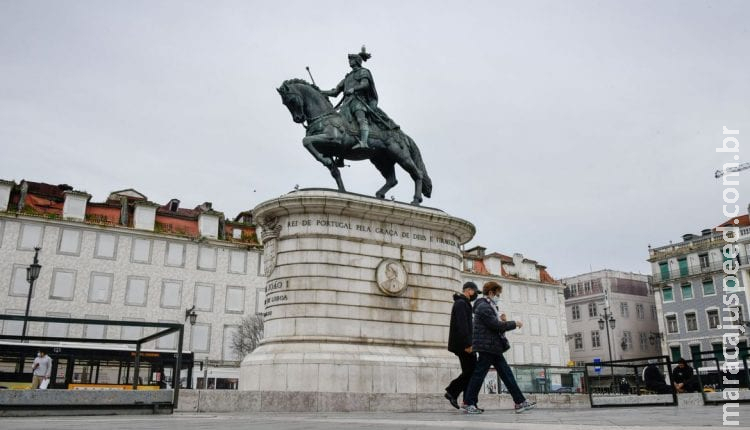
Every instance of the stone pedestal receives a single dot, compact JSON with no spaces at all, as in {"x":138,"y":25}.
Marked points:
{"x":358,"y":296}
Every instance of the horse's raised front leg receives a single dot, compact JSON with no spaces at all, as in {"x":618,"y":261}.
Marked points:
{"x":309,"y":143}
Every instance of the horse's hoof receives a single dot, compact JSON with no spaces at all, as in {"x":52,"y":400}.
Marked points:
{"x":416,"y":202}
{"x":380,"y":196}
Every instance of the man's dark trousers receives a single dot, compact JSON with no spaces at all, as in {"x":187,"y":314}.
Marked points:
{"x":468,"y":363}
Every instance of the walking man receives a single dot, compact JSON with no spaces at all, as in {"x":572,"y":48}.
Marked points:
{"x":489,"y":341}
{"x":459,"y":341}
{"x":42,"y":368}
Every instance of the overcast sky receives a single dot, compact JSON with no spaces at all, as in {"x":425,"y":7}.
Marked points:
{"x":576,"y":133}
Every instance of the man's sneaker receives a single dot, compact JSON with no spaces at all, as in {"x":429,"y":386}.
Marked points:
{"x":473,"y":410}
{"x":525,"y":406}
{"x":453,"y":400}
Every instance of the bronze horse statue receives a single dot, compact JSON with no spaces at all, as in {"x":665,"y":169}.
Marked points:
{"x":330,"y":139}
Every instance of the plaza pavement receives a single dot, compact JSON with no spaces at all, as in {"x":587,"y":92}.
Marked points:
{"x":657,"y":418}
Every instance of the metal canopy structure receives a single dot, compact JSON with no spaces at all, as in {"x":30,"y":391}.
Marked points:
{"x":163,"y":329}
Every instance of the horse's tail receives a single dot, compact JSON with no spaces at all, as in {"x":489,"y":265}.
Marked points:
{"x":417,"y":157}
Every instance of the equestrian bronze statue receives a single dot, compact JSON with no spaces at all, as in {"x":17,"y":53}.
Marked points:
{"x":357,"y":130}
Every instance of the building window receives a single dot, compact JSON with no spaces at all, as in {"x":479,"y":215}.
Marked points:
{"x":675,"y":351}
{"x":136,"y":291}
{"x":95,"y":331}
{"x":175,"y":255}
{"x":550,"y":296}
{"x":691,"y":321}
{"x":204,"y":297}
{"x":687,"y":291}
{"x":518,"y":355}
{"x":171,"y":293}
{"x":235,"y":300}
{"x":551,"y":327}
{"x":54,"y":329}
{"x":168,"y":341}
{"x":236,"y":233}
{"x":536,"y":353}
{"x":640,"y":313}
{"x":533,"y":294}
{"x":518,"y":317}
{"x":106,"y":246}
{"x":70,"y":242}
{"x":682,"y":264}
{"x":536,"y":329}
{"x":30,"y":237}
{"x":713,"y":318}
{"x":227,"y":349}
{"x":595,"y":339}
{"x":100,"y":289}
{"x":664,"y":270}
{"x":592,"y":310}
{"x":515,"y":293}
{"x":672,"y":324}
{"x":63,"y":284}
{"x":13,"y":328}
{"x":643,"y":338}
{"x":735,"y":313}
{"x":578,"y":342}
{"x":200,"y":335}
{"x":576,"y":312}
{"x":131,"y":333}
{"x":695,"y":355}
{"x":667,"y":293}
{"x":141,"y":252}
{"x":708,"y":287}
{"x":587,"y":287}
{"x":624,"y":310}
{"x":237,"y":262}
{"x":554,"y":355}
{"x":627,"y":341}
{"x":206,"y":258}
{"x":19,"y":286}
{"x":703,"y":258}
{"x":654,"y":313}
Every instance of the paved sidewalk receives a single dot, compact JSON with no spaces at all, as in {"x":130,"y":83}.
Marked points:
{"x":660,"y":418}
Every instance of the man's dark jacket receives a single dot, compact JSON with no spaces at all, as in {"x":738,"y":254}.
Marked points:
{"x":459,"y":336}
{"x":488,"y":328}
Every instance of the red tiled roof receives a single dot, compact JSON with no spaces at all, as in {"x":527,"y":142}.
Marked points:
{"x":48,"y":190}
{"x":742,"y":221}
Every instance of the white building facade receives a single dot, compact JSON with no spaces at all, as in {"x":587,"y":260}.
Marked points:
{"x":628,"y":299}
{"x":141,"y":270}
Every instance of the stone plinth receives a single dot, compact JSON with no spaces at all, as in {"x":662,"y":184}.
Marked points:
{"x":358,"y":296}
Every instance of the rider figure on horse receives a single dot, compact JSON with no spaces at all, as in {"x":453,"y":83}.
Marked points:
{"x":360,"y":100}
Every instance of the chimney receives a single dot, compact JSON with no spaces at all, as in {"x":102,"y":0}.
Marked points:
{"x":208,"y":224}
{"x":5,"y":188}
{"x":145,"y":215}
{"x":123,"y":210}
{"x":75,"y":205}
{"x":687,"y":236}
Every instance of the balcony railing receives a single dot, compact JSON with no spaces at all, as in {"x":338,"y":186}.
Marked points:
{"x":696,"y":270}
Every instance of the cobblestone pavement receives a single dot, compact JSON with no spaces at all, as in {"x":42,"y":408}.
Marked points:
{"x":548,"y":419}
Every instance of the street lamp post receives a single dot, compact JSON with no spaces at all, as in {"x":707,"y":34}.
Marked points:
{"x":606,"y":323}
{"x":32,"y":273}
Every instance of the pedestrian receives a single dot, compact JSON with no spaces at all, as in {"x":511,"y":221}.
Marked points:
{"x":488,"y":339}
{"x":459,"y":341}
{"x":654,"y":380}
{"x":42,"y":369}
{"x":683,"y":378}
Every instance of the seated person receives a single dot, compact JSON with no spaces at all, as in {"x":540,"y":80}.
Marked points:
{"x":683,"y":378}
{"x":654,"y":380}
